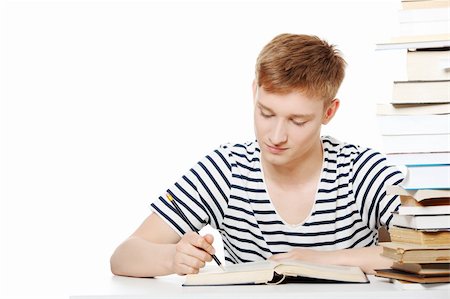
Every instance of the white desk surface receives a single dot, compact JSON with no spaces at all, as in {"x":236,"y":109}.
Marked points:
{"x":170,"y":287}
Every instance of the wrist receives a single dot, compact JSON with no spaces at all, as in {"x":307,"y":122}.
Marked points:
{"x":337,"y":257}
{"x":170,"y":260}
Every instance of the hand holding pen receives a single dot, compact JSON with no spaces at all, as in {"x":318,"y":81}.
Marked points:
{"x":194,"y":250}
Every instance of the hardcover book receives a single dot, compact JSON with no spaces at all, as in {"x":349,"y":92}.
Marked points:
{"x":272,"y":272}
{"x":439,"y":40}
{"x":424,"y":91}
{"x":414,"y":124}
{"x":424,"y":222}
{"x":415,"y":253}
{"x":414,"y":159}
{"x":428,"y":210}
{"x":424,"y":237}
{"x":420,"y":143}
{"x":423,"y":269}
{"x":430,"y":64}
{"x":412,"y":109}
{"x":420,"y":197}
{"x":427,"y":177}
{"x":396,"y":274}
{"x":424,"y":4}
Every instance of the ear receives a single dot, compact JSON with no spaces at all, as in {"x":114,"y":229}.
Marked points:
{"x":255,"y":90}
{"x":330,"y":111}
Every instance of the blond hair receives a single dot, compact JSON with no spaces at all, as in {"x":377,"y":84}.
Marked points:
{"x":292,"y":62}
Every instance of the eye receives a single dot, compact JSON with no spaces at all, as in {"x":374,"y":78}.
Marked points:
{"x":265,"y":114}
{"x":298,"y":123}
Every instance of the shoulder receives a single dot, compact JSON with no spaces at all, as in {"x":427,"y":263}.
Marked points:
{"x":362,"y":163}
{"x":242,"y":158}
{"x":244,"y":148}
{"x":247,"y":151}
{"x":344,"y":152}
{"x":335,"y":146}
{"x":234,"y":154}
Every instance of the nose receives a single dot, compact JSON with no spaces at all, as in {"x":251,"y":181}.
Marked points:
{"x":279,"y":133}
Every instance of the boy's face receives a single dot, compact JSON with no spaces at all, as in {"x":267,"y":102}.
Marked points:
{"x":288,"y":126}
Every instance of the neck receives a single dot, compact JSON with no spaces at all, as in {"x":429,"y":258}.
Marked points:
{"x":301,"y":170}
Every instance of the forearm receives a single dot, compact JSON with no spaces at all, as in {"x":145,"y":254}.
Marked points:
{"x":140,"y":258}
{"x":368,"y":258}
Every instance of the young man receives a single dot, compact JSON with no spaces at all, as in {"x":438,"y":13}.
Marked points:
{"x":289,"y":194}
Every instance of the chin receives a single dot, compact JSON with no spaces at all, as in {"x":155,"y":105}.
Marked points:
{"x":277,"y":160}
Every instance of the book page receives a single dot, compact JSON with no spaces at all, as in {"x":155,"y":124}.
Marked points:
{"x":244,"y":267}
{"x":246,"y":273}
{"x":319,"y":268}
{"x":320,"y":271}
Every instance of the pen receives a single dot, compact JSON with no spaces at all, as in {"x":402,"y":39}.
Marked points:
{"x":181,"y":214}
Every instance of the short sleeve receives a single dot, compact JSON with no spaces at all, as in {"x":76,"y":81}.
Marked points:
{"x":202,"y":194}
{"x":371,"y":176}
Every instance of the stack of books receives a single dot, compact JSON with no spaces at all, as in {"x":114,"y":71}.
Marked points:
{"x":420,"y":236}
{"x":415,"y":129}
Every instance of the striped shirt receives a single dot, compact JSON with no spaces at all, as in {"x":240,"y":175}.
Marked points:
{"x":226,"y":190}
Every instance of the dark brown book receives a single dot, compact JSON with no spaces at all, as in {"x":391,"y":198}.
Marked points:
{"x":409,"y":201}
{"x":423,"y":269}
{"x":421,"y":197}
{"x":396,"y":274}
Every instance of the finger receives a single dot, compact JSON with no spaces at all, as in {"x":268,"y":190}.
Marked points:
{"x":201,"y":243}
{"x":183,"y":256}
{"x":191,"y":261}
{"x":190,"y":250}
{"x":182,"y":269}
{"x":205,"y":244}
{"x":199,"y":254}
{"x":210,"y":240}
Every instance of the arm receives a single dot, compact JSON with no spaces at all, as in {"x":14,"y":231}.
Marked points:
{"x":154,"y":249}
{"x":367,"y":258}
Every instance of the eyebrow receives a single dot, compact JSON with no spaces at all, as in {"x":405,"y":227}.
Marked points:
{"x":292,"y":115}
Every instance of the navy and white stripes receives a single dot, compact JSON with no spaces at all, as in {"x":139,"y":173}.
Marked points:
{"x":227,"y":190}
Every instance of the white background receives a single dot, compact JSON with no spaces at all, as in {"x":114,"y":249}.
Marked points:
{"x":106,"y":103}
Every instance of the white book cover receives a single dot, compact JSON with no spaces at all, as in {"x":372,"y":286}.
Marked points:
{"x":415,"y":159}
{"x":421,"y":221}
{"x":427,"y":177}
{"x":416,"y":42}
{"x":405,"y":285}
{"x":426,"y":210}
{"x":423,"y":27}
{"x":424,"y":15}
{"x":429,"y":64}
{"x":421,"y":91}
{"x":412,"y":109}
{"x":424,"y":143}
{"x":414,"y":124}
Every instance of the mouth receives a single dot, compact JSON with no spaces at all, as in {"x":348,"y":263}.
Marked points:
{"x":275,"y":149}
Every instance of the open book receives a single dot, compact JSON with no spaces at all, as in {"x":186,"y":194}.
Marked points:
{"x":272,"y":272}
